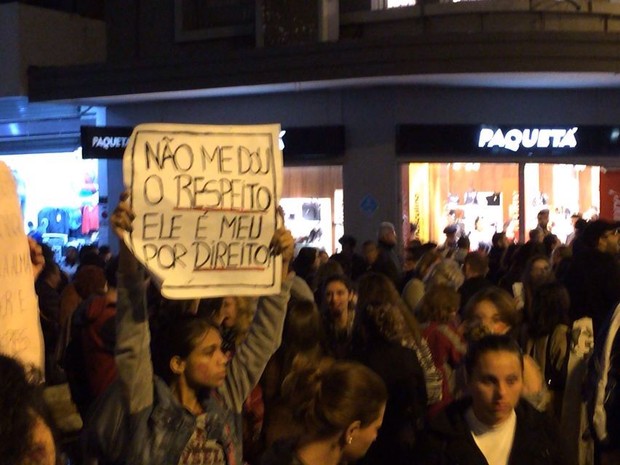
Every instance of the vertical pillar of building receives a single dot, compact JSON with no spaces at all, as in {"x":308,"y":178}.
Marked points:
{"x":370,"y":169}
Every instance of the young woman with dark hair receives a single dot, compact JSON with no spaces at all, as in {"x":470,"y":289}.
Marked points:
{"x":385,"y":342}
{"x":188,"y":410}
{"x":338,"y":409}
{"x":492,"y":425}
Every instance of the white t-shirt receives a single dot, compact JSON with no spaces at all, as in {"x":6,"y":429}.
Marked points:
{"x":495,"y":442}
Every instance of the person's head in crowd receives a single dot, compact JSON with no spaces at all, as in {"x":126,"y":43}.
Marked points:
{"x":306,"y":262}
{"x":340,"y":405}
{"x":414,"y":253}
{"x":490,"y":311}
{"x":89,"y":255}
{"x":387,"y":234}
{"x":550,"y":306}
{"x":348,"y":243}
{"x":302,"y":335}
{"x":484,"y":248}
{"x":89,"y":280}
{"x":426,"y":263}
{"x":323,"y":256}
{"x":494,"y":366}
{"x":51,"y":274}
{"x":450,"y":232}
{"x":439,"y":304}
{"x":25,"y":424}
{"x":476,"y":264}
{"x":188,"y":353}
{"x":559,"y":254}
{"x":370,"y":252}
{"x":499,"y":240}
{"x":105,"y":253}
{"x":235,"y":315}
{"x":602,"y":235}
{"x":521,"y":253}
{"x":543,"y":219}
{"x":325,"y":271}
{"x":381,"y":315}
{"x":550,"y":241}
{"x":338,"y":297}
{"x":537,"y":271}
{"x":448,"y":272}
{"x":535,"y":235}
{"x":376,"y":289}
{"x":463,"y":242}
{"x":580,"y":226}
{"x":71,"y":255}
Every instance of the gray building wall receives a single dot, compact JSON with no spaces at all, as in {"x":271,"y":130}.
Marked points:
{"x":370,"y":165}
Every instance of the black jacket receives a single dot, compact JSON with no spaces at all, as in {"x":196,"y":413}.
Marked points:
{"x":593,"y":281}
{"x":448,"y":440}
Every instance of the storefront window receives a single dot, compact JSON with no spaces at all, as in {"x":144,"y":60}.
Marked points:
{"x":59,"y":196}
{"x":563,"y":190}
{"x":483,"y":198}
{"x":479,"y":198}
{"x":312,"y":201}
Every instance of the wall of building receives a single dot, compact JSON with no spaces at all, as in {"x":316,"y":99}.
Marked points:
{"x":35,"y":36}
{"x":370,"y":166}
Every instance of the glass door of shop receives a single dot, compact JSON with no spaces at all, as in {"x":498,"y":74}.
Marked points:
{"x":484,"y":198}
{"x":479,"y":198}
{"x":565,"y":191}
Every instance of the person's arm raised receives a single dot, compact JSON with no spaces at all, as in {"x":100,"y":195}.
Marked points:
{"x":132,"y":350}
{"x":265,"y":333}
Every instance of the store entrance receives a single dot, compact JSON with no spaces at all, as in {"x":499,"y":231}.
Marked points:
{"x":484,"y":198}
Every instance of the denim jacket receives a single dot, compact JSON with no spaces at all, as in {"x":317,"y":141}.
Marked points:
{"x":138,"y":421}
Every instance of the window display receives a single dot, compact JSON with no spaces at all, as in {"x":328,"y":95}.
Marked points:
{"x":310,"y":221}
{"x":59,"y":197}
{"x":483,"y":198}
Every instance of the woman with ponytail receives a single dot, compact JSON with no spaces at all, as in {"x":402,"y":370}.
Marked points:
{"x":337,"y":411}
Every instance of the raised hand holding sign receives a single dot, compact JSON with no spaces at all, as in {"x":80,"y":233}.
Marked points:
{"x":205,"y":201}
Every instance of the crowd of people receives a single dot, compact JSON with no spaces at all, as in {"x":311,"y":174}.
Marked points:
{"x":442,"y":355}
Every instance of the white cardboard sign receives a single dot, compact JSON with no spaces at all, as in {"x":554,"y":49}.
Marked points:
{"x":20,"y":327}
{"x":205,"y":199}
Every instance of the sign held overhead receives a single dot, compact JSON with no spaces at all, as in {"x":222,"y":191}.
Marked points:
{"x":206,"y":200}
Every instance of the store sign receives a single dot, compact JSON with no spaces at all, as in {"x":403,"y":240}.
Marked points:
{"x":460,"y":142}
{"x":105,"y":142}
{"x":206,"y":200}
{"x":296,"y":143}
{"x":515,"y":139}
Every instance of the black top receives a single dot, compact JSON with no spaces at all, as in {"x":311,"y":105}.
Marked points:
{"x":448,"y":440}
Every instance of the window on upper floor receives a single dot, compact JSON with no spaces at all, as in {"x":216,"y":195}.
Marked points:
{"x":399,"y":3}
{"x":199,"y":19}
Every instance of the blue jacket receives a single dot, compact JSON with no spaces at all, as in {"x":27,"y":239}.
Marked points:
{"x":139,"y":421}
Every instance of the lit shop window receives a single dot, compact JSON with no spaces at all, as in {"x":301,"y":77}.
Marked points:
{"x":385,"y":4}
{"x":399,"y":3}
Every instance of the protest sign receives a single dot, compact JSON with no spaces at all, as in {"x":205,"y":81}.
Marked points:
{"x":205,"y":199}
{"x":20,"y":327}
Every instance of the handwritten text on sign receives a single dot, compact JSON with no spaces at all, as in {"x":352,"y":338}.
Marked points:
{"x":205,"y":199}
{"x":20,"y":330}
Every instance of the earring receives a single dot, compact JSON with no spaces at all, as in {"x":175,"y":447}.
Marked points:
{"x":349,"y":439}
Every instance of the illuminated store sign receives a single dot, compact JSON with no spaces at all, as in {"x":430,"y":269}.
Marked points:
{"x":297,"y":143}
{"x":514,"y":139}
{"x":540,"y":142}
